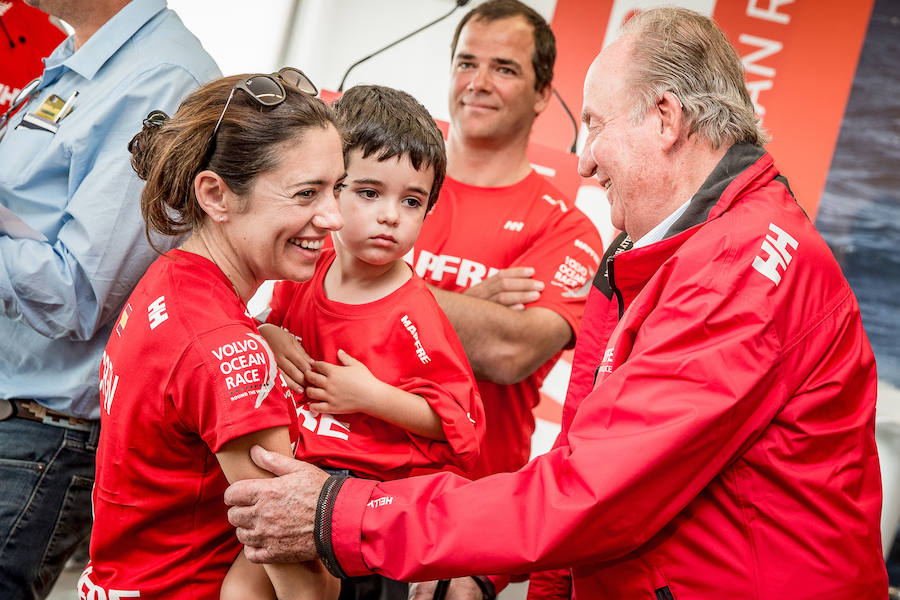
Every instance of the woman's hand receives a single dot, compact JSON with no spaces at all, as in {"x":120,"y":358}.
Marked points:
{"x":292,"y":359}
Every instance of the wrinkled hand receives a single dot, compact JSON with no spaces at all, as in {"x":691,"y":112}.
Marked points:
{"x":340,"y":389}
{"x":291,"y":357}
{"x":513,"y":288}
{"x":274,"y":517}
{"x":461,"y":588}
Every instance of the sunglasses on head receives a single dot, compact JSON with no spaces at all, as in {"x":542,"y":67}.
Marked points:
{"x":268,"y":90}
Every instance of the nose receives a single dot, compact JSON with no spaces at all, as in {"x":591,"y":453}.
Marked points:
{"x":587,"y":166}
{"x":481,"y":79}
{"x":328,"y":216}
{"x":388,"y":213}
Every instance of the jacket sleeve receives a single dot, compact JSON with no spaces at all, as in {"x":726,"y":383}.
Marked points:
{"x":642,"y":445}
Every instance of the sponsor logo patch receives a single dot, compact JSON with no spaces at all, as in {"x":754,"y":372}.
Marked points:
{"x":123,"y":320}
{"x":778,"y":257}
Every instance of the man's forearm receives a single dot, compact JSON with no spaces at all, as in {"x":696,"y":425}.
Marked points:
{"x":503,"y":345}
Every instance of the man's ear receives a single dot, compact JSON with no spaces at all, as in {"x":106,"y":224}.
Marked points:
{"x":543,"y":99}
{"x":671,"y":118}
{"x":210,"y":188}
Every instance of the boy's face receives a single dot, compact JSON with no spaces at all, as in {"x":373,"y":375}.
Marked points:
{"x":383,"y":204}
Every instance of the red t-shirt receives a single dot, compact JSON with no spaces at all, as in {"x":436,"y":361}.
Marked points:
{"x":475,"y":231}
{"x":405,"y":340}
{"x":184,"y":372}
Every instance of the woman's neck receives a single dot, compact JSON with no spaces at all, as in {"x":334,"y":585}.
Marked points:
{"x":208,"y":245}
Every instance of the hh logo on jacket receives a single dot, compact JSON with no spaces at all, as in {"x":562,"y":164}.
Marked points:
{"x":778,"y":257}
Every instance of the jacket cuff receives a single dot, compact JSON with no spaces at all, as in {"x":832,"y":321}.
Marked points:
{"x":498,"y":582}
{"x":486,"y":585}
{"x":338,"y":525}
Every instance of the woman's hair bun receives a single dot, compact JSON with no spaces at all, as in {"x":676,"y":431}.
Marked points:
{"x":141,"y":145}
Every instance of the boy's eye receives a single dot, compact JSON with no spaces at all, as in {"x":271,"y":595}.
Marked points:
{"x":368,"y":194}
{"x":412,"y":202}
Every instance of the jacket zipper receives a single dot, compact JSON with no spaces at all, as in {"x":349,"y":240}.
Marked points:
{"x":612,"y":285}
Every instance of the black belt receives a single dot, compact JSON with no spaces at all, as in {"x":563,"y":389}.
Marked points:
{"x":34,"y":411}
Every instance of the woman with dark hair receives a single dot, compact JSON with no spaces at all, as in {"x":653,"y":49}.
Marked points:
{"x":248,"y":167}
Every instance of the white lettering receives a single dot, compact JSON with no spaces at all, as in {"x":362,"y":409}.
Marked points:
{"x":443,"y":264}
{"x":380,"y":501}
{"x":420,"y":350}
{"x":562,"y":205}
{"x":766,"y":48}
{"x":608,"y":356}
{"x":237,"y":347}
{"x":435,"y":266}
{"x":156,"y":312}
{"x":586,"y":248}
{"x":779,"y":256}
{"x":470,"y":273}
{"x":8,"y":94}
{"x":771,"y":13}
{"x":755,"y":87}
{"x":323,"y":424}
{"x":327,"y":424}
{"x":108,"y":382}
{"x":425,"y":258}
{"x":514,"y":225}
{"x":88,"y":590}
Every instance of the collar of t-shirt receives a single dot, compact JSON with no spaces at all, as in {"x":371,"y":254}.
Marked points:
{"x":657,"y":233}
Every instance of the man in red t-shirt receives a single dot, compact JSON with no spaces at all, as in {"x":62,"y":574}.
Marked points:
{"x":509,"y":259}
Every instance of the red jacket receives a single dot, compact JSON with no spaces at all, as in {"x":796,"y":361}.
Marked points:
{"x":726,"y":450}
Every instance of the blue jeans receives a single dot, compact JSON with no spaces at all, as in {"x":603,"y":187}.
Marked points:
{"x":46,"y":476}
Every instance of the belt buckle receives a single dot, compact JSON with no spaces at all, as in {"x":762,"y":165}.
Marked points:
{"x":7,"y":409}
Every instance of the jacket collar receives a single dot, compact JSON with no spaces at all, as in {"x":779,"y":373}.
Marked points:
{"x":105,"y":42}
{"x":744,"y":166}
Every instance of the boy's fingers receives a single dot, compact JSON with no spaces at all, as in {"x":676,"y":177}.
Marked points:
{"x":346,"y":359}
{"x":314,"y":379}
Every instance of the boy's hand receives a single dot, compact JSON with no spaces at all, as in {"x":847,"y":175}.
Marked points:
{"x":513,"y":288}
{"x":340,"y":389}
{"x":292,"y":359}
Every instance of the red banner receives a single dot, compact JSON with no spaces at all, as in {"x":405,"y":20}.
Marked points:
{"x":799,"y":58}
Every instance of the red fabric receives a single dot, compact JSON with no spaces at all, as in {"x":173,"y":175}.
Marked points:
{"x":184,"y":372}
{"x":381,"y":334}
{"x":470,"y":234}
{"x":555,"y":584}
{"x":727,"y":450}
{"x":33,"y":37}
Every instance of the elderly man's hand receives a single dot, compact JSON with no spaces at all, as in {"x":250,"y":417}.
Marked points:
{"x":274,"y":517}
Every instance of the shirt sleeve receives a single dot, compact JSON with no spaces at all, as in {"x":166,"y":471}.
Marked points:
{"x":633,"y":460}
{"x":565,"y":256}
{"x":71,"y":286}
{"x":227,"y":385}
{"x":445,"y":380}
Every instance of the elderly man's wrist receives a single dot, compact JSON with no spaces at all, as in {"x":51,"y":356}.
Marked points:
{"x":486,"y":586}
{"x":322,"y":526}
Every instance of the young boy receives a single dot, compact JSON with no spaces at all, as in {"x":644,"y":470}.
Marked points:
{"x":388,"y":389}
